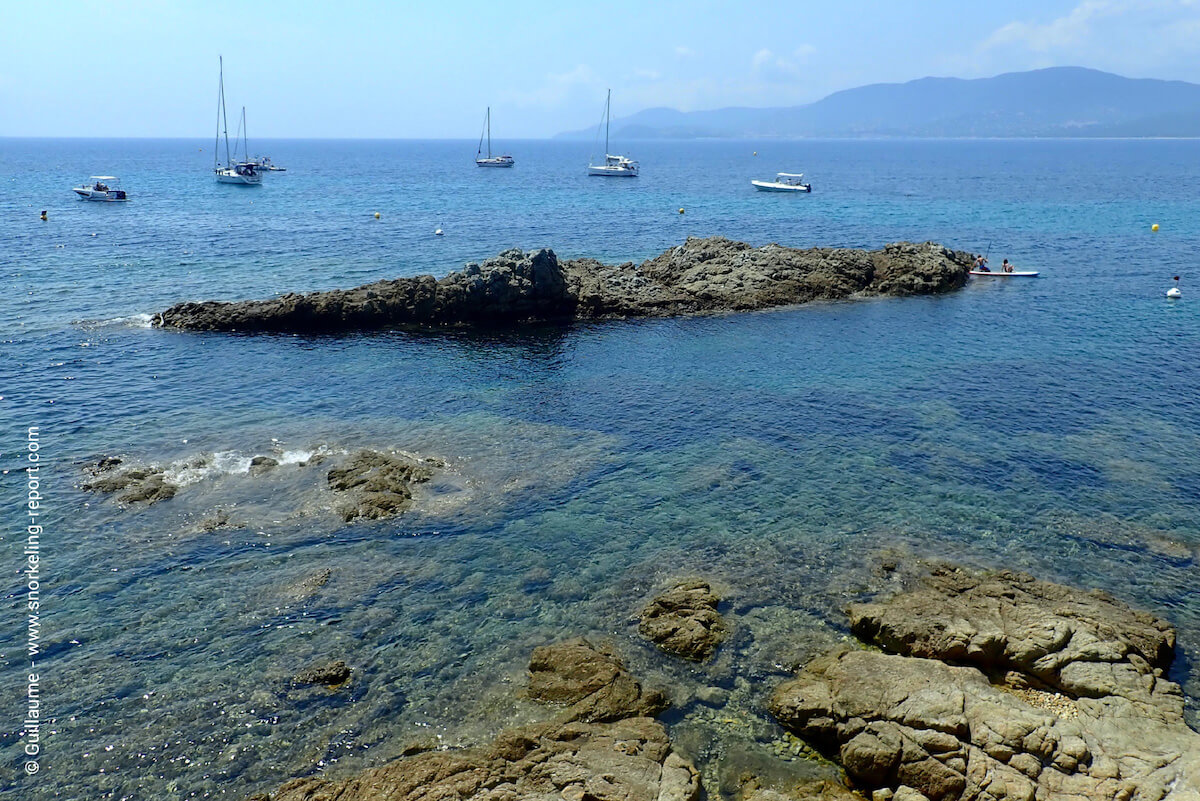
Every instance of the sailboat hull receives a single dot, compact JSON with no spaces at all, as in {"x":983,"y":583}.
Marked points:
{"x":497,"y":161}
{"x":612,"y":172}
{"x":229,"y":176}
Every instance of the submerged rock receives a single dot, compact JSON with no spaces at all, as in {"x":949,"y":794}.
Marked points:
{"x":219,"y":519}
{"x":376,"y":485}
{"x":702,"y":275}
{"x":627,"y":757}
{"x":307,"y":587}
{"x":262,"y":464}
{"x":329,"y":673}
{"x":684,"y":620}
{"x":1004,"y":688}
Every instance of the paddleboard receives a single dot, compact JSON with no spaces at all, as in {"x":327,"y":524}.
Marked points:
{"x":1002,"y":274}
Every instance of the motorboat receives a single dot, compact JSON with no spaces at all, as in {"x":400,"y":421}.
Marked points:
{"x":244,"y":172}
{"x":489,"y":160}
{"x":784,"y":182}
{"x":613,"y":166}
{"x":264,"y":164}
{"x":101,"y":188}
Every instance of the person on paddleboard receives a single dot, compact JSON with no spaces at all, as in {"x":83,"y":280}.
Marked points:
{"x":1008,"y":268}
{"x":981,"y":264}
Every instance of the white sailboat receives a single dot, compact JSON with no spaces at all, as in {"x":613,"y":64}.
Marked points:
{"x":613,"y":166}
{"x":490,"y":160}
{"x":242,"y":173}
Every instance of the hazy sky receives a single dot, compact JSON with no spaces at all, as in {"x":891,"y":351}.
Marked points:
{"x":409,"y":70}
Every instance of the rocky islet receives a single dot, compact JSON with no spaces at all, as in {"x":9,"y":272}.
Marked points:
{"x":707,"y":275}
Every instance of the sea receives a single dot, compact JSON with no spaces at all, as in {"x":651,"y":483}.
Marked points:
{"x":800,"y":459}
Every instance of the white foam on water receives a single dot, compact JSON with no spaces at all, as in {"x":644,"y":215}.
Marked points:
{"x":126,"y":321}
{"x":221,"y":463}
{"x":302,"y":455}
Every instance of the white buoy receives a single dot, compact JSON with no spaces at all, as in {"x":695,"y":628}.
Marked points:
{"x":1174,"y":292}
{"x":438,"y":232}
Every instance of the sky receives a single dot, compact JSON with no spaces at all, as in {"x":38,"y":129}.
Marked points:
{"x":407,"y":70}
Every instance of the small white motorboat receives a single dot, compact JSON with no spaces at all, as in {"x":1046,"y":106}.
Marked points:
{"x":102,"y":188}
{"x":784,"y":182}
{"x":1002,"y":274}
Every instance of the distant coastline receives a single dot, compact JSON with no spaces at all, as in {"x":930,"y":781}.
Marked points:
{"x":1059,"y":102}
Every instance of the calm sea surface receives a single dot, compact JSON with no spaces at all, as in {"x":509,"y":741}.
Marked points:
{"x":1051,"y":426}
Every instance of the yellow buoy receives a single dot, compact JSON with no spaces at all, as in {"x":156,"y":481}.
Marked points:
{"x":756,"y":152}
{"x":681,"y":209}
{"x":1154,"y":227}
{"x":377,"y":215}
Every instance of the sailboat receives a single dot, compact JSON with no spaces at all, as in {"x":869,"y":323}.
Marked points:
{"x":243,"y":173}
{"x":613,"y":166}
{"x":490,"y":160}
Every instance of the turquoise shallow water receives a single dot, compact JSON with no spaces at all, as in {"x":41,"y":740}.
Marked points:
{"x":1050,"y":426}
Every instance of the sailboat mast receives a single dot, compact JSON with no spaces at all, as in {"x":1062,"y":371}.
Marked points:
{"x":224,"y":116}
{"x":245,"y":137}
{"x":607,"y":113}
{"x":220,"y":96}
{"x":489,"y":130}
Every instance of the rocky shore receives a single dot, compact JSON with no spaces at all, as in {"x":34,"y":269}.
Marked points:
{"x":977,"y":686}
{"x":1000,"y":687}
{"x":699,"y":276}
{"x":604,"y":746}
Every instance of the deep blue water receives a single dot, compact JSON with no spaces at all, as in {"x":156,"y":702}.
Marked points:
{"x":1050,"y":426}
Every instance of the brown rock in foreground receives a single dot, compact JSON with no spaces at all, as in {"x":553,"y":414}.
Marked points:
{"x":592,"y":683}
{"x":626,"y":758}
{"x":702,"y":275}
{"x":684,"y":620}
{"x":1081,"y":643}
{"x":947,"y":731}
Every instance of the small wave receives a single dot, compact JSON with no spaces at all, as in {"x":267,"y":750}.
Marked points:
{"x":127,"y":321}
{"x":192,"y":471}
{"x":302,"y":456}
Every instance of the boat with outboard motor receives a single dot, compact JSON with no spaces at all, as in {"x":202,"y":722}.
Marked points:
{"x":103,"y":188}
{"x":784,"y":182}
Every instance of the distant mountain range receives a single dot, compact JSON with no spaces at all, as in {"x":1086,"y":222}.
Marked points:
{"x":1055,"y":102}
